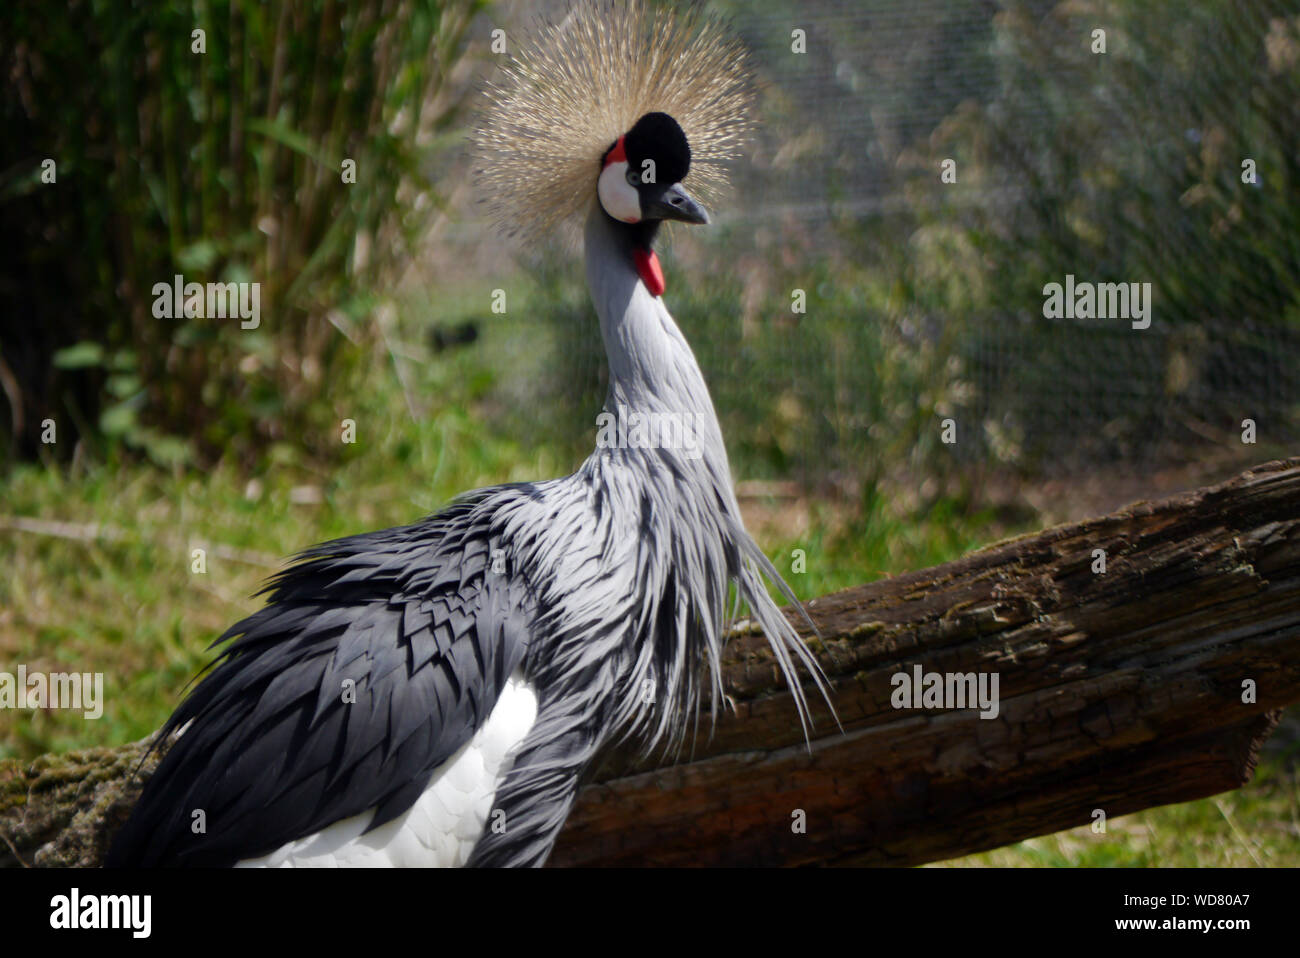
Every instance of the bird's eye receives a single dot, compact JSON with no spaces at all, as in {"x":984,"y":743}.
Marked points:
{"x":634,"y":177}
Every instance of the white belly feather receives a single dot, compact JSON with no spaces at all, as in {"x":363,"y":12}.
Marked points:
{"x":446,"y":821}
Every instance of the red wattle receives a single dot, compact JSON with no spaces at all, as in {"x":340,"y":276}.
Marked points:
{"x":647,"y":266}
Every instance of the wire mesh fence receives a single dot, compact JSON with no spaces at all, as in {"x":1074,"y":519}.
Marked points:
{"x":923,"y":171}
{"x":872,"y":293}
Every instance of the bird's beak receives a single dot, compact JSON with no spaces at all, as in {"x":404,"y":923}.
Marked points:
{"x":675,"y":203}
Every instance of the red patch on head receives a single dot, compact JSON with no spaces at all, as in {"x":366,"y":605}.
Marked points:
{"x":616,"y":153}
{"x":647,"y":266}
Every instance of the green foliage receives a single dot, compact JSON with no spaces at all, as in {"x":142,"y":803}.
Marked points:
{"x":208,"y":140}
{"x":1123,"y":166}
{"x":102,"y":581}
{"x":848,"y":388}
{"x":1129,"y":166}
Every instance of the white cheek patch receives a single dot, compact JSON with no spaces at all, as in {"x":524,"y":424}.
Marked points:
{"x":619,"y":197}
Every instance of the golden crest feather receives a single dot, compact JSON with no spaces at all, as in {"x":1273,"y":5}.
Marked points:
{"x":581,"y":82}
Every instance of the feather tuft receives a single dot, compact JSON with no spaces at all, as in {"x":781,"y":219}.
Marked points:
{"x":584,"y":80}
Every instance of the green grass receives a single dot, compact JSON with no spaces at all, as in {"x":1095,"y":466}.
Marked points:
{"x":126,"y":603}
{"x":102,"y":580}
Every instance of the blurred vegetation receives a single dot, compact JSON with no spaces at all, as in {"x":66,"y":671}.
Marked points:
{"x":829,"y":396}
{"x":207,"y":139}
{"x":924,"y":300}
{"x":1133,"y":165}
{"x":100,"y":574}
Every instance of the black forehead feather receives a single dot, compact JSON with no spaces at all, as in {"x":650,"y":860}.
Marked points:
{"x":658,"y":137}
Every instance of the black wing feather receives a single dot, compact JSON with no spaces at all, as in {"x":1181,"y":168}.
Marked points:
{"x":414,"y":616}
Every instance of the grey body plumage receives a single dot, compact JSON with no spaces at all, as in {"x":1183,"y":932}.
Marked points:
{"x":605,"y":590}
{"x":637,"y":550}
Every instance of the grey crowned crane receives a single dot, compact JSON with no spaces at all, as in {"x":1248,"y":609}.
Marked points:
{"x":432,"y":694}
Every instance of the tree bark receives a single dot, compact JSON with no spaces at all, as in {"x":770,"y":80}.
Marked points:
{"x":1153,"y":681}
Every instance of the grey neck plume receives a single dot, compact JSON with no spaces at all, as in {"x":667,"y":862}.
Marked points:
{"x":652,"y":370}
{"x":651,"y":366}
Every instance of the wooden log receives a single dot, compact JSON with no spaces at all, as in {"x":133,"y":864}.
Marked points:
{"x":1152,"y":682}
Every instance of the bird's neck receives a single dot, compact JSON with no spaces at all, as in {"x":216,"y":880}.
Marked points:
{"x":667,"y":518}
{"x":647,"y":352}
{"x":651,"y":366}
